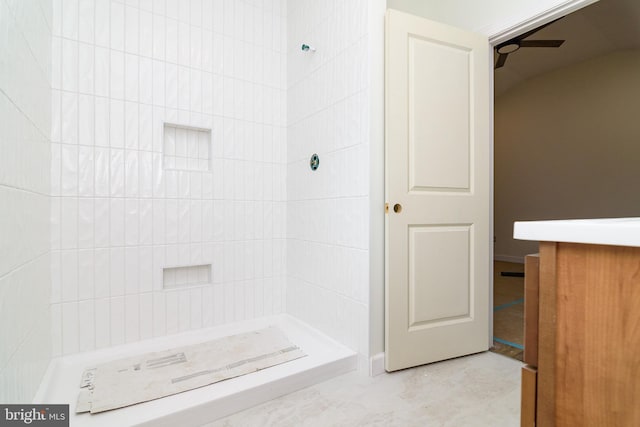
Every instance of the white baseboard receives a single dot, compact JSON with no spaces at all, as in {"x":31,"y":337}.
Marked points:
{"x":376,"y":365}
{"x":509,"y":258}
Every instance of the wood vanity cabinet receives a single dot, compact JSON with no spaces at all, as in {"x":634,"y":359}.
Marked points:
{"x":583,"y":358}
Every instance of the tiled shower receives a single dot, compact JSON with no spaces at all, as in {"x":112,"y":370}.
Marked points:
{"x":154,"y":172}
{"x":139,"y":86}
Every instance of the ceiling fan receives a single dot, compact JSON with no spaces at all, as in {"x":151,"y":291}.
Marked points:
{"x":510,"y":46}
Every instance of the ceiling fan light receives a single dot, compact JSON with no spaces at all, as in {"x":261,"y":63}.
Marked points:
{"x":508,"y":48}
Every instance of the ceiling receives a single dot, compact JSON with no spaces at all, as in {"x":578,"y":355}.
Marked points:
{"x":603,"y":27}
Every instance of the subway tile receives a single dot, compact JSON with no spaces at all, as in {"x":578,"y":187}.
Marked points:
{"x":146,"y":315}
{"x":159,"y":314}
{"x":117,"y":222}
{"x":171,"y":28}
{"x":171,"y":82}
{"x":172,"y":312}
{"x":145,"y":80}
{"x":146,"y":221}
{"x":132,"y":318}
{"x":184,"y":50}
{"x":159,"y":35}
{"x":195,"y":308}
{"x":101,"y":272}
{"x":207,"y":307}
{"x":69,"y":118}
{"x":86,"y":170}
{"x":183,"y":88}
{"x":158,"y":176}
{"x":116,"y":74}
{"x":146,"y":174}
{"x":102,"y":61}
{"x":102,"y":161}
{"x":117,"y":22}
{"x":69,"y":15}
{"x":86,"y":271}
{"x":69,"y":170}
{"x":117,"y":172}
{"x":69,"y":223}
{"x":103,"y":322}
{"x":171,"y":221}
{"x":159,"y":222}
{"x":146,"y":33}
{"x":70,"y":343}
{"x":131,"y":174}
{"x":86,"y":326}
{"x":102,"y":121}
{"x":116,"y":271}
{"x":69,"y":65}
{"x":145,"y":269}
{"x":85,"y":223}
{"x":145,"y":127}
{"x":56,"y":17}
{"x":132,"y":222}
{"x":132,"y":30}
{"x":101,"y":222}
{"x":131,"y":77}
{"x":195,"y":97}
{"x":117,"y":317}
{"x":158,"y":80}
{"x":86,"y":69}
{"x":86,"y":120}
{"x":86,"y":27}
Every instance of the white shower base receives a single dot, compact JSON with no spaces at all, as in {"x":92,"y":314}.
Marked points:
{"x":325,"y":359}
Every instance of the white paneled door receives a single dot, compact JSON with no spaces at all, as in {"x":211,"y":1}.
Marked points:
{"x":437,"y":122}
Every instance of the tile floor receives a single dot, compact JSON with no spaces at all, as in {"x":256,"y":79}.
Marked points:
{"x":477,"y":390}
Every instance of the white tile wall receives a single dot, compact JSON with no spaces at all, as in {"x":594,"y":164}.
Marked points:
{"x":25,"y":52}
{"x":328,"y":209}
{"x":120,"y":70}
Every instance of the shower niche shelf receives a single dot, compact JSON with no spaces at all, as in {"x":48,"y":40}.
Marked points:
{"x":186,"y":148}
{"x":180,"y":277}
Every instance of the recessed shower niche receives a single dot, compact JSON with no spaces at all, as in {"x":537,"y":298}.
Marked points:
{"x":186,"y":148}
{"x":191,"y":275}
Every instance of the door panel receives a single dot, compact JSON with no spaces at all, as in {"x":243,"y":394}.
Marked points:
{"x":439,"y":285}
{"x":439,"y":153}
{"x":437,"y":122}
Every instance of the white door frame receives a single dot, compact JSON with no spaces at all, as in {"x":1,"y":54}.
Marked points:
{"x":505,"y":32}
{"x":496,"y":38}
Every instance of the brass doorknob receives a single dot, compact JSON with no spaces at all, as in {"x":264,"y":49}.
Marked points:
{"x":397,"y":208}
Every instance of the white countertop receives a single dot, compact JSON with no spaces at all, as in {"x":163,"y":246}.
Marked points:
{"x":607,"y":231}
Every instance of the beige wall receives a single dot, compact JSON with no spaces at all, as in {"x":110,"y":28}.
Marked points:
{"x":567,"y":145}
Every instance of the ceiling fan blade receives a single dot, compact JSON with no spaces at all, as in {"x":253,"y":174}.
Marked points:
{"x":535,"y":30}
{"x":502,"y":58}
{"x":541,"y":43}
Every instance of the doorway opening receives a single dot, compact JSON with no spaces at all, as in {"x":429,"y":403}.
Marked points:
{"x":564,"y":134}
